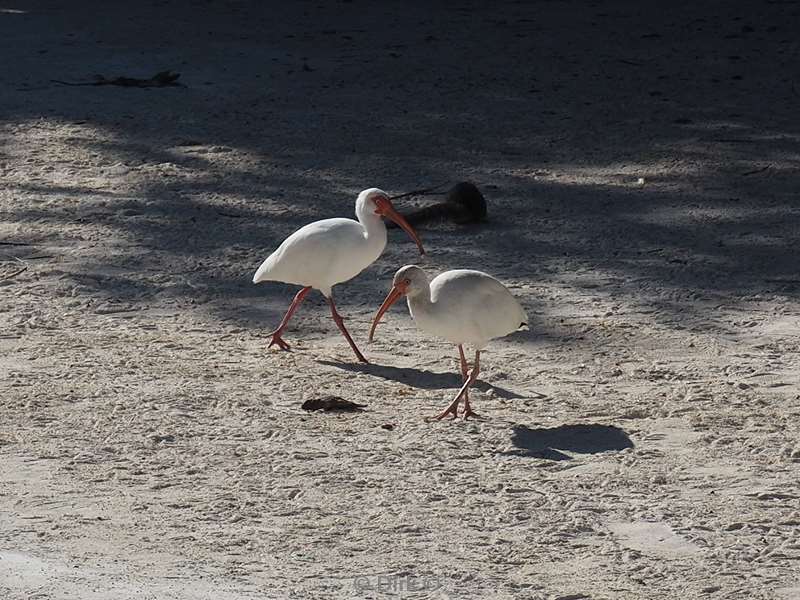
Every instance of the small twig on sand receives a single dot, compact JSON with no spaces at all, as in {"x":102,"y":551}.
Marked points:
{"x":231,"y":215}
{"x":15,"y":244}
{"x":162,"y":79}
{"x":728,"y":140}
{"x":14,"y":274}
{"x":761,"y":170}
{"x":421,"y":192}
{"x":633,"y":63}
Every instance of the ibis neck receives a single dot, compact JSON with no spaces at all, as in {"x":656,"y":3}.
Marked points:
{"x":374,"y":228}
{"x":421,"y":303}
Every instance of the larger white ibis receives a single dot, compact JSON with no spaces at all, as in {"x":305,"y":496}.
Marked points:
{"x":463,"y":307}
{"x":324,"y":253}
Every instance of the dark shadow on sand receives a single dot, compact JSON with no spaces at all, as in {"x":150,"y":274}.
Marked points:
{"x":418,"y":378}
{"x":581,"y":439}
{"x":648,"y":182}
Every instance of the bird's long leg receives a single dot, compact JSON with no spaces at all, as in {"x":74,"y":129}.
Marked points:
{"x":463,"y":393}
{"x":464,"y":369}
{"x":276,"y":335}
{"x":464,"y":364}
{"x":340,"y":323}
{"x":476,"y":369}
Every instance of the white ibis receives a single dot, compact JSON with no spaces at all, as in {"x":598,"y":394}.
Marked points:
{"x":463,"y":307}
{"x":324,"y":253}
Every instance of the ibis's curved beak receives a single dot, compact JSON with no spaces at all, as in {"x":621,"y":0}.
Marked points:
{"x":397,"y":292}
{"x":386,"y":209}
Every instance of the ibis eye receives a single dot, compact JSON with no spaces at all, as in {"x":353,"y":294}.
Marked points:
{"x":407,"y":282}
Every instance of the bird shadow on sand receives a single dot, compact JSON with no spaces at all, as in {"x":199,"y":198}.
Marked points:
{"x":418,"y":378}
{"x":550,"y":443}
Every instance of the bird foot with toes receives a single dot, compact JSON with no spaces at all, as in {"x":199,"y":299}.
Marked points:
{"x":452,"y":409}
{"x":468,"y":412}
{"x":279,"y":341}
{"x":453,"y":415}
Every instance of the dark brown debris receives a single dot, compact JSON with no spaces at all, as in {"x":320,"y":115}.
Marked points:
{"x":463,"y":204}
{"x":161,"y":79}
{"x":332,"y":403}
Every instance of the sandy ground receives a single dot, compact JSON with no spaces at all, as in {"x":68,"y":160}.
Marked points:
{"x":639,"y":442}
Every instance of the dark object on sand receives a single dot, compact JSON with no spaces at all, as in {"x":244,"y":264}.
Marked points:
{"x":329,"y":403}
{"x":463,"y":204}
{"x":162,"y":79}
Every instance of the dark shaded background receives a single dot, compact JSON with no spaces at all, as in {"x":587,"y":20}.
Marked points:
{"x":555,"y":108}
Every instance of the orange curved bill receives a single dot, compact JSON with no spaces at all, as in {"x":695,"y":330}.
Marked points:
{"x":390,"y":299}
{"x":390,"y":213}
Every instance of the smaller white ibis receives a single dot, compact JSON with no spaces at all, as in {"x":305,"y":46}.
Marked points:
{"x":324,"y":253}
{"x":462,"y":306}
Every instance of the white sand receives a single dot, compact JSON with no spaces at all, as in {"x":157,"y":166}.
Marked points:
{"x":641,"y":168}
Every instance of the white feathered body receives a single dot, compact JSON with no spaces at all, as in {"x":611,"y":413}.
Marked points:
{"x":467,"y":307}
{"x":324,"y":253}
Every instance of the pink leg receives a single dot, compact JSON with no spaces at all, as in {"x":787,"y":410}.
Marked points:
{"x":340,"y":323}
{"x":463,"y":392}
{"x":453,"y":408}
{"x":473,"y":376}
{"x":276,"y":335}
{"x":464,"y":364}
{"x":464,"y":370}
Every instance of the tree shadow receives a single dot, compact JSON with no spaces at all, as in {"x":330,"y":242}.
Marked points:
{"x":418,"y":378}
{"x":581,"y":439}
{"x":271,"y":129}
